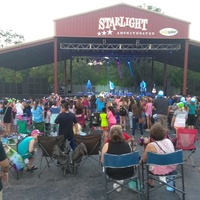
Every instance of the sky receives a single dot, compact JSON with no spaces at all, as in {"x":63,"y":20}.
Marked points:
{"x":34,"y":18}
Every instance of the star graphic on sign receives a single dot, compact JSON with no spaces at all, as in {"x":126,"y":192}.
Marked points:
{"x":109,"y":32}
{"x":104,"y":33}
{"x":99,"y":33}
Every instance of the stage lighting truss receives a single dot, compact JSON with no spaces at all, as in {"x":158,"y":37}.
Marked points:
{"x":123,"y":47}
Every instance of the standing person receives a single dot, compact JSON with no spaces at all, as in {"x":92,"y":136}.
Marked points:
{"x":100,"y":103}
{"x":111,"y":86}
{"x":111,"y":116}
{"x":137,"y":116}
{"x":130,"y":113}
{"x":66,"y":121}
{"x":20,"y":109}
{"x":143,"y":88}
{"x":79,"y":109}
{"x":71,"y":106}
{"x":192,"y":112}
{"x":88,"y":86}
{"x":54,"y":110}
{"x":123,"y":112}
{"x":104,"y":122}
{"x":7,"y":119}
{"x":86,"y":105}
{"x":46,"y":116}
{"x":37,"y":116}
{"x":4,"y":164}
{"x":161,"y":105}
{"x":92,"y":104}
{"x":179,"y":117}
{"x":148,"y":113}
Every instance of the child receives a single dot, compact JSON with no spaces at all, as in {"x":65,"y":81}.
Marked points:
{"x":46,"y":117}
{"x":111,"y":116}
{"x":104,"y":123}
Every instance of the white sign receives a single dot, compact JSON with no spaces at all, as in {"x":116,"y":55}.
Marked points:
{"x":168,"y":31}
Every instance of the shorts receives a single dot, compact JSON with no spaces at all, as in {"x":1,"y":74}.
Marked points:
{"x":148,"y":114}
{"x":104,"y":128}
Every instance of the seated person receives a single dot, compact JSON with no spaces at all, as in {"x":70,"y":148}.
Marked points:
{"x":26,"y":148}
{"x":160,"y":145}
{"x":126,"y":137}
{"x":117,"y":145}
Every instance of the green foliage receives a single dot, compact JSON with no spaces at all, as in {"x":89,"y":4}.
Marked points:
{"x":9,"y":37}
{"x":152,"y":8}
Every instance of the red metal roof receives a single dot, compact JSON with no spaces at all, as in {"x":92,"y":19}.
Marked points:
{"x":122,"y":21}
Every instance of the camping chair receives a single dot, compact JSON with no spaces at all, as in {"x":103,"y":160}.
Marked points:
{"x":47,"y":145}
{"x":122,"y":163}
{"x":17,"y":163}
{"x":186,"y":139}
{"x":175,"y":158}
{"x":93,"y":145}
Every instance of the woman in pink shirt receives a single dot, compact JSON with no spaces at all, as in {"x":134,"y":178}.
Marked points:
{"x":111,"y":116}
{"x":148,"y":113}
{"x":160,"y":145}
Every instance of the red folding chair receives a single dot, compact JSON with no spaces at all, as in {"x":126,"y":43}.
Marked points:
{"x":186,"y":139}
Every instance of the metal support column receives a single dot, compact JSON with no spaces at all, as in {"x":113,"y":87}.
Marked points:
{"x":185,"y":67}
{"x":165,"y":77}
{"x":65,"y":72}
{"x":55,"y":66}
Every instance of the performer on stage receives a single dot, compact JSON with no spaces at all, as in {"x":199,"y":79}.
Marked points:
{"x":88,"y":86}
{"x":111,"y":86}
{"x":143,"y":88}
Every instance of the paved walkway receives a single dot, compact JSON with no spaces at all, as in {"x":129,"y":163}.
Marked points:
{"x":87,"y":184}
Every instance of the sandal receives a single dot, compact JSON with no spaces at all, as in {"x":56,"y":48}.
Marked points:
{"x":34,"y":167}
{"x":29,"y":170}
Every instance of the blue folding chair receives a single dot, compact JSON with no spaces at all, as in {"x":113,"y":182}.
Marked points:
{"x":174,"y":158}
{"x":122,"y":163}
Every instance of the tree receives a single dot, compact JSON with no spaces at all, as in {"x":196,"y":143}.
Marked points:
{"x":9,"y":37}
{"x":152,"y":8}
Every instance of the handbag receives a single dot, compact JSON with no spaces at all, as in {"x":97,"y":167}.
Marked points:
{"x":140,"y":120}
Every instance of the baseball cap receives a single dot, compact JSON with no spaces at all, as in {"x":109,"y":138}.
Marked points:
{"x":180,"y":105}
{"x":36,"y":132}
{"x":160,"y":93}
{"x":182,"y":99}
{"x":192,"y":99}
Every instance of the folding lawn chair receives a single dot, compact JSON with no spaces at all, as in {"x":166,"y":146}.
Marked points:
{"x":127,"y":165}
{"x":47,"y":145}
{"x":16,"y":161}
{"x":186,"y":139}
{"x":93,"y":145}
{"x":175,"y":158}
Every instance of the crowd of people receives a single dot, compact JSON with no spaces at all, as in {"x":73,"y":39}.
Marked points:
{"x":115,"y":116}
